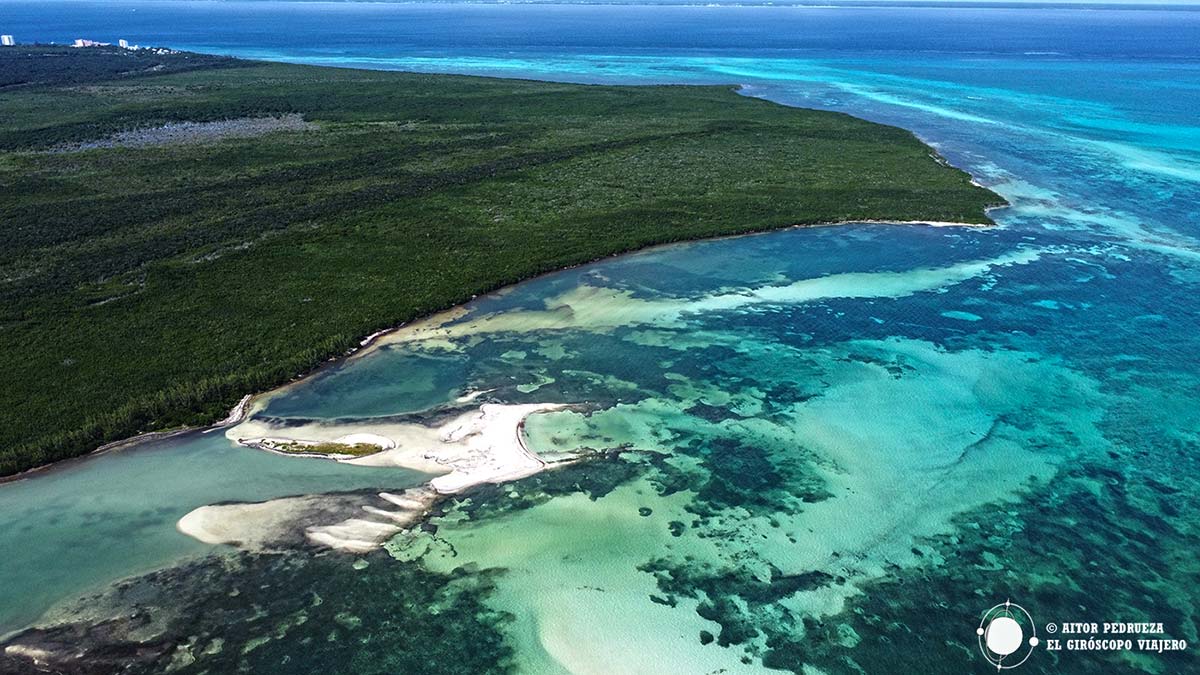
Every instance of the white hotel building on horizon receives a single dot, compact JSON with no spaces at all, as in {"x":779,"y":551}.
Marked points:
{"x":7,"y":41}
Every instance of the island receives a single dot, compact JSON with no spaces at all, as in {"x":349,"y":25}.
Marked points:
{"x":183,"y":230}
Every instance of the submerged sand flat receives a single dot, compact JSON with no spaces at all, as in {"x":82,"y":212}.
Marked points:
{"x":598,"y":308}
{"x":898,"y":457}
{"x":352,"y":523}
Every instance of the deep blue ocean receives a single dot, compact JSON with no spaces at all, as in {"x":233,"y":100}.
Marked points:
{"x":1003,"y":413}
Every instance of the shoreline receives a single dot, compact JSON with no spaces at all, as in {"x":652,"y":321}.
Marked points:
{"x":241,"y":410}
{"x":368,"y":343}
{"x":237,"y":413}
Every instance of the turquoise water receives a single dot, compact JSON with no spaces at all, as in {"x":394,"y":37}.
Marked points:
{"x":88,"y":523}
{"x":826,"y":451}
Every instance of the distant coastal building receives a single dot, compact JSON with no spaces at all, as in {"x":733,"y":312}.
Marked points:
{"x":80,"y":42}
{"x":7,"y":41}
{"x":123,"y":44}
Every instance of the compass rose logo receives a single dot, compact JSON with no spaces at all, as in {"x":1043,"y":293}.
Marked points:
{"x":1002,"y":632}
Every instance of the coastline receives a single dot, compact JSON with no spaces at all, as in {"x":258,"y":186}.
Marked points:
{"x":371,"y":341}
{"x":236,"y":414}
{"x":241,"y":410}
{"x":721,"y":148}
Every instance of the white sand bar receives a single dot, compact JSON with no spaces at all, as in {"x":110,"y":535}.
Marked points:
{"x":270,"y":524}
{"x":248,"y":526}
{"x":483,"y":446}
{"x":480,"y":446}
{"x":383,"y":442}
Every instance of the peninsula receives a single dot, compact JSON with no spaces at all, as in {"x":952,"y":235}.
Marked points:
{"x":181,"y":230}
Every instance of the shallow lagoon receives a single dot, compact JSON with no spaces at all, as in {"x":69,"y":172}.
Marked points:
{"x":90,"y":522}
{"x":830,"y":449}
{"x":793,"y":425}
